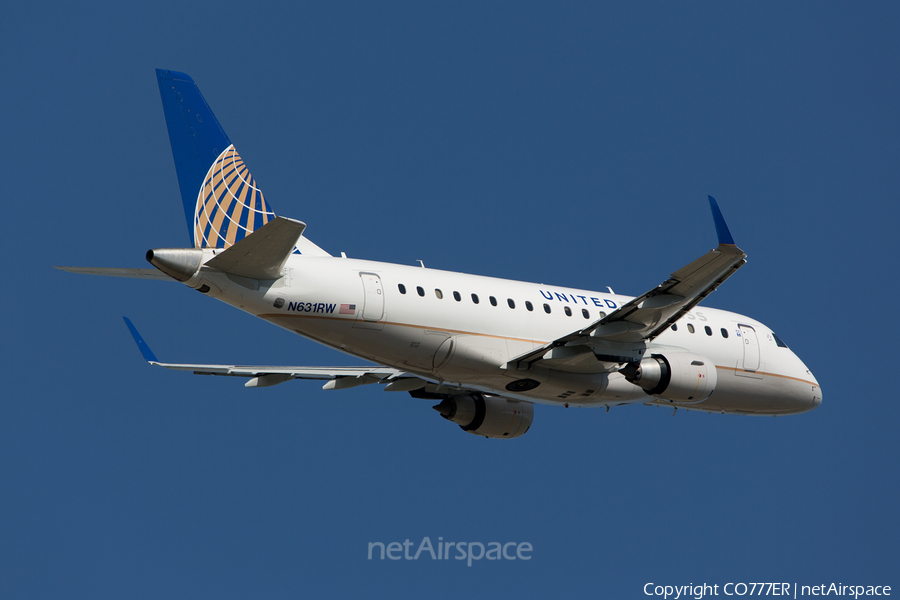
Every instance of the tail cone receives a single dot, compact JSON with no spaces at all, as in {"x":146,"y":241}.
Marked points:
{"x":178,"y":263}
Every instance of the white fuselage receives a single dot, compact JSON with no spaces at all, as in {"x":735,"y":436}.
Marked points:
{"x":427,"y":323}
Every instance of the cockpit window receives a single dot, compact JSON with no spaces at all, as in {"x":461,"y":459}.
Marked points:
{"x":778,"y":341}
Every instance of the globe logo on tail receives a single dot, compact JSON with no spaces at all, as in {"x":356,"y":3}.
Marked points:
{"x":229,"y":206}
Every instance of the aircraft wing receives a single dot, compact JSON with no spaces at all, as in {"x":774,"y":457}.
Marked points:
{"x":264,"y":376}
{"x":620,"y":335}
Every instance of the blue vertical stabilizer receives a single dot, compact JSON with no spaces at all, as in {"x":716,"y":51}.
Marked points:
{"x":195,"y":134}
{"x":221,"y":201}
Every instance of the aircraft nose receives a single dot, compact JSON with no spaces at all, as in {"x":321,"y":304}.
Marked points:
{"x":810,"y":392}
{"x":816,"y":390}
{"x":817,"y":396}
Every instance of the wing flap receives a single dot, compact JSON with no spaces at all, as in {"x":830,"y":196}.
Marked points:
{"x":323,"y":373}
{"x":265,"y":375}
{"x":648,"y":315}
{"x":709,"y":267}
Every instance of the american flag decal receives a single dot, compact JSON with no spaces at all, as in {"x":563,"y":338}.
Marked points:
{"x":347,"y":309}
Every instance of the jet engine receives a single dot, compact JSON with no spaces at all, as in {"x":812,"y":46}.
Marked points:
{"x":488,"y":416}
{"x":675,"y":376}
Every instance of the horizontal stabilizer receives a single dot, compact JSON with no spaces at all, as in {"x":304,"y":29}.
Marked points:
{"x":262,"y":254}
{"x":116,"y":272}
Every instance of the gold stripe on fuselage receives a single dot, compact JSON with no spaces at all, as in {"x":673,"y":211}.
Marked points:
{"x":489,"y":335}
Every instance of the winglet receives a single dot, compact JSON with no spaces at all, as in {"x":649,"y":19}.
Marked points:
{"x":721,"y":227}
{"x":142,"y":345}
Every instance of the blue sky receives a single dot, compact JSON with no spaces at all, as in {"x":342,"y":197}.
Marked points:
{"x":572,"y":145}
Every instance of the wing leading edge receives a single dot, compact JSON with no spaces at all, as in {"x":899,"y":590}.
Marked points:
{"x":620,"y":336}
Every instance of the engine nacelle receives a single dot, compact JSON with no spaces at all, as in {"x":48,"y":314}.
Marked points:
{"x":676,"y":376}
{"x":488,"y":416}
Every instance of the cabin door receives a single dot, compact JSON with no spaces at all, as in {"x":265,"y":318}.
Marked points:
{"x":751,"y":348}
{"x":373,"y":302}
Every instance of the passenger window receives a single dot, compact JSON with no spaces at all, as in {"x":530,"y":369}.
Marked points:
{"x":439,"y":294}
{"x":707,"y":330}
{"x":493,"y":301}
{"x":456,"y":296}
{"x":529,"y":307}
{"x":475,"y":298}
{"x":690,"y":328}
{"x":402,"y":288}
{"x":724,"y":333}
{"x":568,"y":311}
{"x":511,"y":302}
{"x":586,"y":314}
{"x":547,"y":308}
{"x":420,"y":290}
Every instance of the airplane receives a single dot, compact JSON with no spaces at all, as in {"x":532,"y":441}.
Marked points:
{"x":485,"y":349}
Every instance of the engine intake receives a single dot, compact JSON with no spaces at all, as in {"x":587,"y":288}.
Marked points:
{"x":676,"y":376}
{"x":488,"y":416}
